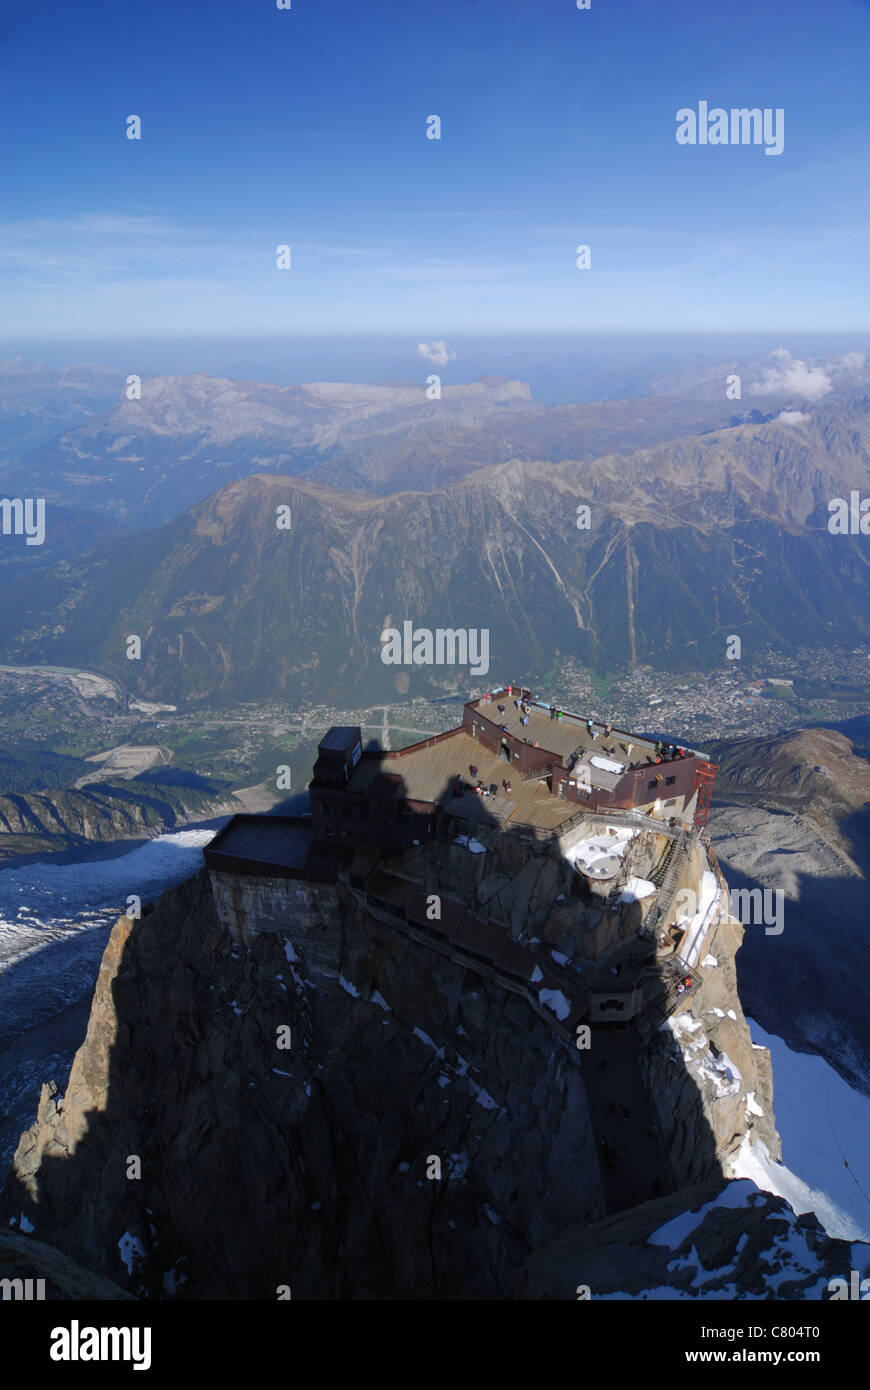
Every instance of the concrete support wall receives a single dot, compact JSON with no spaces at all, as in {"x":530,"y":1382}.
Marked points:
{"x":307,"y":912}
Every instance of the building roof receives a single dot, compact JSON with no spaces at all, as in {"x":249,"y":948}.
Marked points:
{"x":565,"y":737}
{"x":340,"y":738}
{"x":401,"y":892}
{"x":428,"y":771}
{"x":562,"y":738}
{"x":593,"y":775}
{"x":519,"y":960}
{"x":451,"y":914}
{"x":368,"y":768}
{"x":484,"y":938}
{"x":283,"y":841}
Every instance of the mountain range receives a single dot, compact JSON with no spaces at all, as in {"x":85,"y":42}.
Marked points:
{"x":687,"y":543}
{"x":706,"y":518}
{"x":146,"y":459}
{"x":38,"y":401}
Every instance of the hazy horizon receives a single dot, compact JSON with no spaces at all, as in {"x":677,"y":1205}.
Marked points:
{"x":558,"y":367}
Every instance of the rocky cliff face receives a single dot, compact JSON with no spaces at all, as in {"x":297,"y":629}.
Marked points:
{"x":306,"y":1167}
{"x":704,"y":1074}
{"x":22,"y":1259}
{"x":811,"y":771}
{"x":708,"y":1084}
{"x":334,"y":1107}
{"x":792,"y":817}
{"x":709,"y":1241}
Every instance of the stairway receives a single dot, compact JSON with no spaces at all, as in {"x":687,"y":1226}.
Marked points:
{"x":657,"y":875}
{"x":666,"y":877}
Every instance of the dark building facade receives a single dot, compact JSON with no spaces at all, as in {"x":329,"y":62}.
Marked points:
{"x":356,"y":800}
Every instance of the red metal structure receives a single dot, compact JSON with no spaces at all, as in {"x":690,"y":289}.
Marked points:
{"x":705,"y":776}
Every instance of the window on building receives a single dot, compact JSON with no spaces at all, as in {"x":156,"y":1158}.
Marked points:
{"x":651,"y":786}
{"x":669,"y":781}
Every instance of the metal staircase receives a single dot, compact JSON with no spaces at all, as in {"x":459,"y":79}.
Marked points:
{"x":666,"y":876}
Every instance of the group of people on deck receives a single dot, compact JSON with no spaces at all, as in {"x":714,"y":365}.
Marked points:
{"x":664,"y":751}
{"x":479,"y":786}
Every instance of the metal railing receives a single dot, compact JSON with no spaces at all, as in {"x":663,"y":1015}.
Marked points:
{"x":545,"y":770}
{"x":634,"y":818}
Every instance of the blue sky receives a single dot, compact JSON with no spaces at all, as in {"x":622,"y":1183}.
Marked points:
{"x":307,"y":127}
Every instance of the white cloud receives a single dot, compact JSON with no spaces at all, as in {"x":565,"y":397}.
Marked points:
{"x":792,"y":417}
{"x":851,"y":362}
{"x":789,"y":376}
{"x":439,"y":354}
